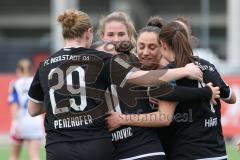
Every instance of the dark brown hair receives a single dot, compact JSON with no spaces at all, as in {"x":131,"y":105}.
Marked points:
{"x":176,"y":37}
{"x":154,"y":24}
{"x":184,"y":21}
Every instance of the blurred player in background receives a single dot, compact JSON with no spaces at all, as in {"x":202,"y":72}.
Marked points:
{"x":24,"y":128}
{"x":238,"y":146}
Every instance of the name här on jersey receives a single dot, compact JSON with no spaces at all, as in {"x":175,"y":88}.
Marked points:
{"x":211,"y":122}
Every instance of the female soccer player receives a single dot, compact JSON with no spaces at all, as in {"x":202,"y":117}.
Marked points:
{"x":24,"y":127}
{"x":202,"y":138}
{"x":70,"y":87}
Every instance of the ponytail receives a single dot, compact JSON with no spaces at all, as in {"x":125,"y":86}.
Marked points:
{"x":176,"y":37}
{"x":181,"y":46}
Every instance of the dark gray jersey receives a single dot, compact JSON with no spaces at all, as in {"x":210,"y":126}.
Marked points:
{"x":72,"y":84}
{"x":196,"y":132}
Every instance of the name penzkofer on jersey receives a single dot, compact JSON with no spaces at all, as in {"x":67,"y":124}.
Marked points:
{"x":73,"y":121}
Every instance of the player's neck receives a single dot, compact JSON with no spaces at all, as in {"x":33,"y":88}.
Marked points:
{"x":74,"y":43}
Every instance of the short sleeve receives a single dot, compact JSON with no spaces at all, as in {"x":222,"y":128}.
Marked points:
{"x":36,"y":92}
{"x":225,"y":90}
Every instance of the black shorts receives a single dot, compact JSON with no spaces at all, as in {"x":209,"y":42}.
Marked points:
{"x":99,"y":149}
{"x":152,"y":150}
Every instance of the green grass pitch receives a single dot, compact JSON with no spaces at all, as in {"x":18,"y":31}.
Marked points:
{"x":5,"y":151}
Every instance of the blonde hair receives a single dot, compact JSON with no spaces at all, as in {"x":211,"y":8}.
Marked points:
{"x":24,"y":66}
{"x":74,"y":23}
{"x":119,"y":17}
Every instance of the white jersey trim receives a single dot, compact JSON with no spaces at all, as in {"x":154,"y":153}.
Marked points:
{"x":127,"y":76}
{"x":108,"y":100}
{"x":115,"y":99}
{"x":145,"y":155}
{"x":214,"y":158}
{"x":34,"y":100}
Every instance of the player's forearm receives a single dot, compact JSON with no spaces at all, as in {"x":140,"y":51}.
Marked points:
{"x":154,"y":119}
{"x":232,"y":99}
{"x":174,"y":74}
{"x":156,"y":77}
{"x":35,"y":109}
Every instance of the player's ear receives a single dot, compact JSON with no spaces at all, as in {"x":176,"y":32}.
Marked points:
{"x":101,"y":35}
{"x":90,"y":30}
{"x":89,"y":33}
{"x":163,"y":44}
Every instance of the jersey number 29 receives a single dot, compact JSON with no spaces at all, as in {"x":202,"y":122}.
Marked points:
{"x":69,"y":82}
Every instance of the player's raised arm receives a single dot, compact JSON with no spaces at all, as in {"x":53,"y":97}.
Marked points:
{"x":155,"y":77}
{"x":122,"y":72}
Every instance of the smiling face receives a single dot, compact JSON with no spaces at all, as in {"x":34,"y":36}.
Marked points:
{"x":148,"y":50}
{"x":115,"y":31}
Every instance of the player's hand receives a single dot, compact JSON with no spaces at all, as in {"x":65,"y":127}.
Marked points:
{"x":113,"y":120}
{"x":238,"y":146}
{"x":215,"y":93}
{"x":193,"y":72}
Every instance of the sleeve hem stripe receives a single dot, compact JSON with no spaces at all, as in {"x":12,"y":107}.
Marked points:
{"x":126,"y":78}
{"x":34,"y":100}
